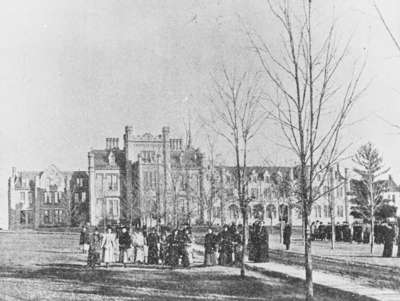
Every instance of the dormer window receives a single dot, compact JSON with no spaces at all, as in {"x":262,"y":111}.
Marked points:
{"x":111,"y":158}
{"x":266,"y":177}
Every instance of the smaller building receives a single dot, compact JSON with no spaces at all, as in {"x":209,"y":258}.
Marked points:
{"x":45,"y":198}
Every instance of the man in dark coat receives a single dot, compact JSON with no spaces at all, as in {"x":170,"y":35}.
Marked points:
{"x":125,"y":242}
{"x":210,"y":247}
{"x":287,"y":233}
{"x":388,"y":237}
{"x":84,"y":240}
{"x":225,"y":247}
{"x":152,"y":242}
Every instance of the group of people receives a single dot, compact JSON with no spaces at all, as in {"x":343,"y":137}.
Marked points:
{"x":321,"y":231}
{"x":385,"y":232}
{"x":224,"y":248}
{"x":137,"y":245}
{"x":162,"y":246}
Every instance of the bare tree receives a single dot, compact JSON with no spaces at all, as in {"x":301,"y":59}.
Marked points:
{"x":370,"y":168}
{"x":387,"y":27}
{"x":311,"y":104}
{"x":236,"y":115}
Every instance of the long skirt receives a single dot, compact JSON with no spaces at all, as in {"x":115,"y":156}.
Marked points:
{"x":237,"y":254}
{"x":190,"y":253}
{"x":172,"y":256}
{"x":93,"y":258}
{"x":85,"y":248}
{"x":145,"y":253}
{"x":252,"y":251}
{"x":225,"y":257}
{"x":263,"y":255}
{"x":209,"y":258}
{"x":153,"y":255}
{"x":388,"y":249}
{"x":108,"y":255}
{"x":139,"y":254}
{"x":185,"y":257}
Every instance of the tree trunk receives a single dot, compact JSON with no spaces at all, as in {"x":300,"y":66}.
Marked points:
{"x":244,"y":243}
{"x":371,"y":237}
{"x":308,"y":260}
{"x":333,"y":236}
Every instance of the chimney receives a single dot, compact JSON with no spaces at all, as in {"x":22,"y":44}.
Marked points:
{"x":108,"y":143}
{"x":14,"y":172}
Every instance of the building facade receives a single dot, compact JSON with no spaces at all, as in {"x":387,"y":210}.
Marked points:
{"x":152,"y":179}
{"x":271,"y":196}
{"x":44,"y":198}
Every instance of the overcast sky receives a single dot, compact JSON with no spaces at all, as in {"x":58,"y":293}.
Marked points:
{"x":75,"y":72}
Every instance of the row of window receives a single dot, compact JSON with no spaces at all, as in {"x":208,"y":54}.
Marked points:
{"x":26,"y":217}
{"x":108,"y":207}
{"x":22,"y":196}
{"x":107,"y":182}
{"x":53,"y":216}
{"x":53,"y":197}
{"x":150,"y":179}
{"x":79,"y":182}
{"x":318,"y":211}
{"x":272,"y":194}
{"x":80,"y":197}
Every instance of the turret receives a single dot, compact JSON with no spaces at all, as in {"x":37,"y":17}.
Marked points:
{"x":92,"y":195}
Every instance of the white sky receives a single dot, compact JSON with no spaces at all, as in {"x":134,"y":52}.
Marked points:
{"x":75,"y":72}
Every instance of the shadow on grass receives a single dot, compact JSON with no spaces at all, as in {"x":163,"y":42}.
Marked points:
{"x":161,"y":283}
{"x":150,"y":283}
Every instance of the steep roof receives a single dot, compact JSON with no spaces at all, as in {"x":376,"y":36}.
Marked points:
{"x":101,"y":158}
{"x":260,"y":170}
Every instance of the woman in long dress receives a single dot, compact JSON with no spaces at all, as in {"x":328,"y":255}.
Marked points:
{"x":94,"y":249}
{"x":108,"y":246}
{"x":138,"y":244}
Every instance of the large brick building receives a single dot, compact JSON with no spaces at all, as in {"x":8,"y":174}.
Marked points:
{"x":158,"y":178}
{"x":152,"y":178}
{"x":270,"y":191}
{"x":48,"y":198}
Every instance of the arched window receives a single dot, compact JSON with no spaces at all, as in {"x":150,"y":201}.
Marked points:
{"x":258,"y":211}
{"x":233,"y":212}
{"x":271,"y":211}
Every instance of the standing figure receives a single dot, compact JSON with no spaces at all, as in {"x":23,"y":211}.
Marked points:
{"x":186,"y":248}
{"x":210,"y":248}
{"x":225,"y":247}
{"x":263,"y":245}
{"x":125,"y":242}
{"x":388,"y":237}
{"x":152,"y":242}
{"x":94,"y":249}
{"x":287,"y":233}
{"x":138,"y":245}
{"x":398,"y":237}
{"x":237,"y":241}
{"x":84,"y":240}
{"x":108,"y":246}
{"x":173,"y":248}
{"x":163,"y":248}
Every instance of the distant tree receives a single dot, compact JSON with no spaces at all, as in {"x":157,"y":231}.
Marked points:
{"x":368,"y":189}
{"x":236,"y":115}
{"x":283,"y":187}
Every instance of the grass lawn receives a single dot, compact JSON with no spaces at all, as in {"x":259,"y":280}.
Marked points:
{"x":50,"y":267}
